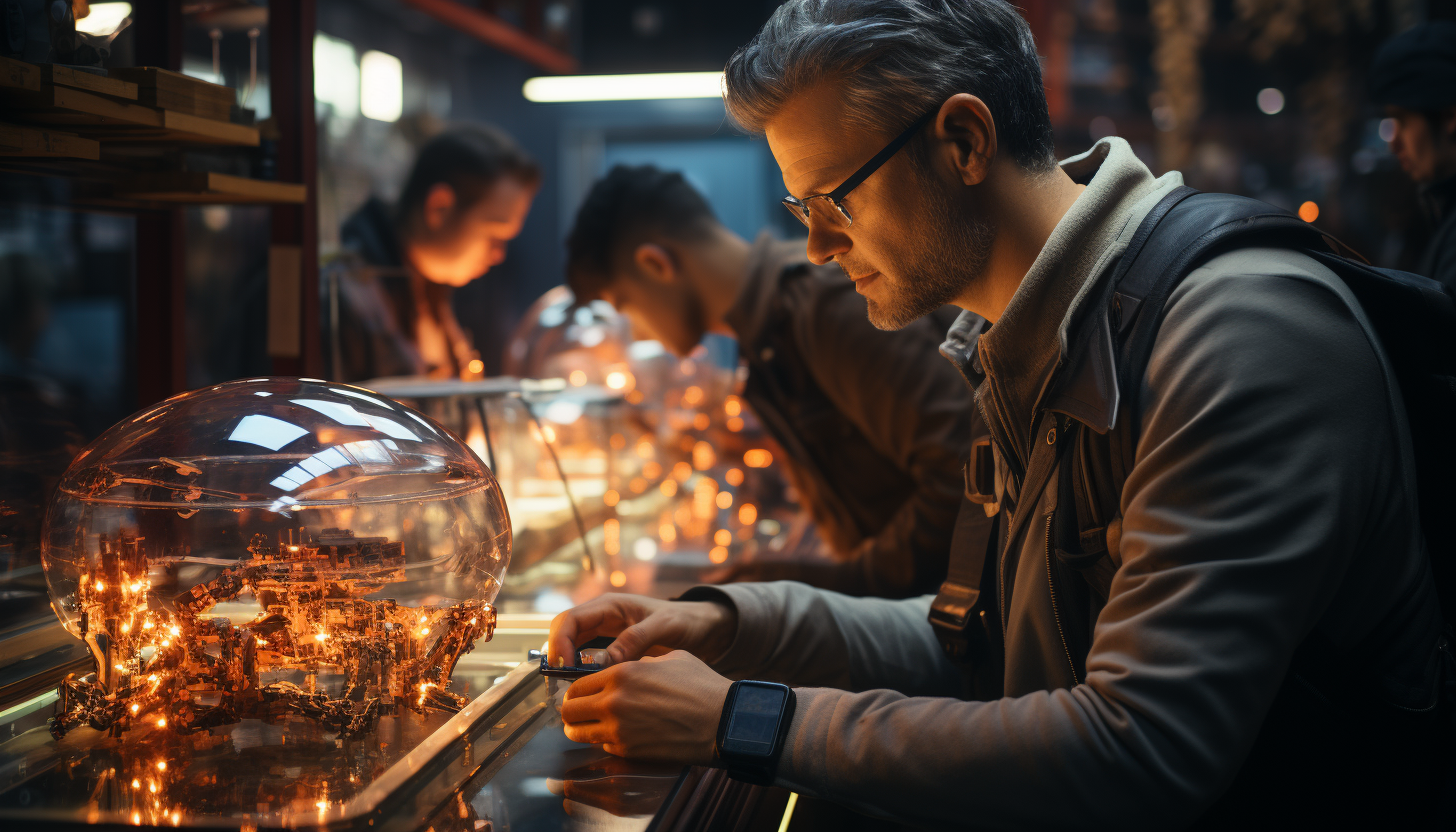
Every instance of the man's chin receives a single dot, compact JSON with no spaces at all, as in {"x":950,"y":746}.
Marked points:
{"x":886,"y":316}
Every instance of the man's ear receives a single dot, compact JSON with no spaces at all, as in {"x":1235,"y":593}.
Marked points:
{"x":966,"y":134}
{"x":439,"y":206}
{"x":656,"y":263}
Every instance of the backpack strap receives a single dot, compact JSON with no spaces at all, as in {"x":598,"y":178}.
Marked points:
{"x":1187,"y":228}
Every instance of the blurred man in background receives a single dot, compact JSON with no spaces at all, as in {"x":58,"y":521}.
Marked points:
{"x":387,"y":296}
{"x":875,"y":424}
{"x":1414,"y":76}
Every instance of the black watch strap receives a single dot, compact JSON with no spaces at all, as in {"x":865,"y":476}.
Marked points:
{"x":759,"y":765}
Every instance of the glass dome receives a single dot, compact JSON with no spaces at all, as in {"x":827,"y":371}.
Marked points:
{"x":273,"y":546}
{"x":583,"y":344}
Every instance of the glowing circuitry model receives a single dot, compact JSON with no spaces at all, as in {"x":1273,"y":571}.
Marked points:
{"x":189,"y":671}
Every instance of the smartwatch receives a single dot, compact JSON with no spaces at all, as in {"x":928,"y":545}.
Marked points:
{"x":751,"y":732}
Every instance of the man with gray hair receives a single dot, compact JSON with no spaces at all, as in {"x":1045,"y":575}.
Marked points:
{"x":1251,"y":635}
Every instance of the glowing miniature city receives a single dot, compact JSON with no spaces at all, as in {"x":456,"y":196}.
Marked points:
{"x":188,"y":670}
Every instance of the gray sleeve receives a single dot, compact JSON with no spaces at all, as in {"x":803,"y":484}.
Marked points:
{"x":1243,"y":510}
{"x":795,"y":634}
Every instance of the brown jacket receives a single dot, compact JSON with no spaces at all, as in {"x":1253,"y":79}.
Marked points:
{"x":876,"y":424}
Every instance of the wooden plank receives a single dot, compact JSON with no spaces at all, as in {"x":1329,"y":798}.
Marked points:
{"x":66,"y":76}
{"x":151,"y":77}
{"x":19,"y":75}
{"x":16,"y":140}
{"x":196,"y":128}
{"x":202,"y":188}
{"x":111,"y":120}
{"x":186,"y":103}
{"x":65,"y":105}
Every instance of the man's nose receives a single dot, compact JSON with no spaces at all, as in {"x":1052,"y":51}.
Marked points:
{"x":825,"y":243}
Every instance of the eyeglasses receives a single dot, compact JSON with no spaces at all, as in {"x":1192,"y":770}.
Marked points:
{"x":832,"y":208}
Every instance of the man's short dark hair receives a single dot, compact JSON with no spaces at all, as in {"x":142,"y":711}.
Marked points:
{"x":625,"y":207}
{"x":468,"y":158}
{"x":895,"y":60}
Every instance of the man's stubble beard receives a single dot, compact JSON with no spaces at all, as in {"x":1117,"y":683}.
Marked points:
{"x":949,"y":256}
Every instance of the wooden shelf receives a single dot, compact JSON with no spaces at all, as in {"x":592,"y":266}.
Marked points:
{"x":17,"y":140}
{"x":66,"y":76}
{"x":169,"y":90}
{"x":207,"y":188}
{"x":98,"y":116}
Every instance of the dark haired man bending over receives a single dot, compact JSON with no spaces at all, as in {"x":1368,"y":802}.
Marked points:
{"x":876,"y":424}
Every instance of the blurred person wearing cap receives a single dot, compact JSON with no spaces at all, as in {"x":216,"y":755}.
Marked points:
{"x":1414,"y":77}
{"x":875,"y":424}
{"x":387,"y":296}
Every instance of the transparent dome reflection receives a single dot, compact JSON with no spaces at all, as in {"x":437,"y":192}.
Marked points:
{"x":291,"y":526}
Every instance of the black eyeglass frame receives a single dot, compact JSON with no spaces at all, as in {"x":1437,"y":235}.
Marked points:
{"x":800,"y":207}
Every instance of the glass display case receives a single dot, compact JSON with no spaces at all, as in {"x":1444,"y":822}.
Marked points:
{"x":240,"y":617}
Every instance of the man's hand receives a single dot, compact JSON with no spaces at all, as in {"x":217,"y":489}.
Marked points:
{"x":643,"y":627}
{"x":664,"y":708}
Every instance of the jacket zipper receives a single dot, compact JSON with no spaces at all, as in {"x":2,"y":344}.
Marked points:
{"x":1056,"y":614}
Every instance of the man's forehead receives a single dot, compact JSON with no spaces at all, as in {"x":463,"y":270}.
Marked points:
{"x":813,"y":142}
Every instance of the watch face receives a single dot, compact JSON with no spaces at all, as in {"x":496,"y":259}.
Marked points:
{"x":754,"y":723}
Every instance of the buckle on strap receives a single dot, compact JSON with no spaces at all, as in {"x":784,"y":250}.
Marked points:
{"x":950,"y":617}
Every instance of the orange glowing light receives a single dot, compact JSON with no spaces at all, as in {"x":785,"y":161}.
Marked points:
{"x":667,"y":532}
{"x":126,"y":628}
{"x":321,"y":637}
{"x":693,"y":395}
{"x":550,"y":433}
{"x":476,"y":366}
{"x":734,"y":476}
{"x":162,"y":722}
{"x":147,"y":625}
{"x":161,"y":765}
{"x":136,"y":818}
{"x":612,"y":536}
{"x":176,"y":631}
{"x":424,"y":631}
{"x":1309,"y":212}
{"x":757,"y":458}
{"x":135,"y":707}
{"x":722,"y":537}
{"x":733,"y":406}
{"x":618,"y":441}
{"x":701,"y":421}
{"x":635,"y":397}
{"x":725,"y":499}
{"x":152,"y":787}
{"x":747,"y":514}
{"x":638,"y":485}
{"x":681,"y":471}
{"x":668,"y":488}
{"x":703,"y":456}
{"x":100,"y":587}
{"x":735,"y":423}
{"x":611,"y":498}
{"x":136,"y":784}
{"x":619,"y":578}
{"x":651,"y":470}
{"x":645,"y":449}
{"x":620,"y":380}
{"x":293,"y":548}
{"x":577,"y":378}
{"x":718,"y":554}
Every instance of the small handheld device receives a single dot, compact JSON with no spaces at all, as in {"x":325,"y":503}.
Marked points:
{"x":587,"y":660}
{"x":751,"y":732}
